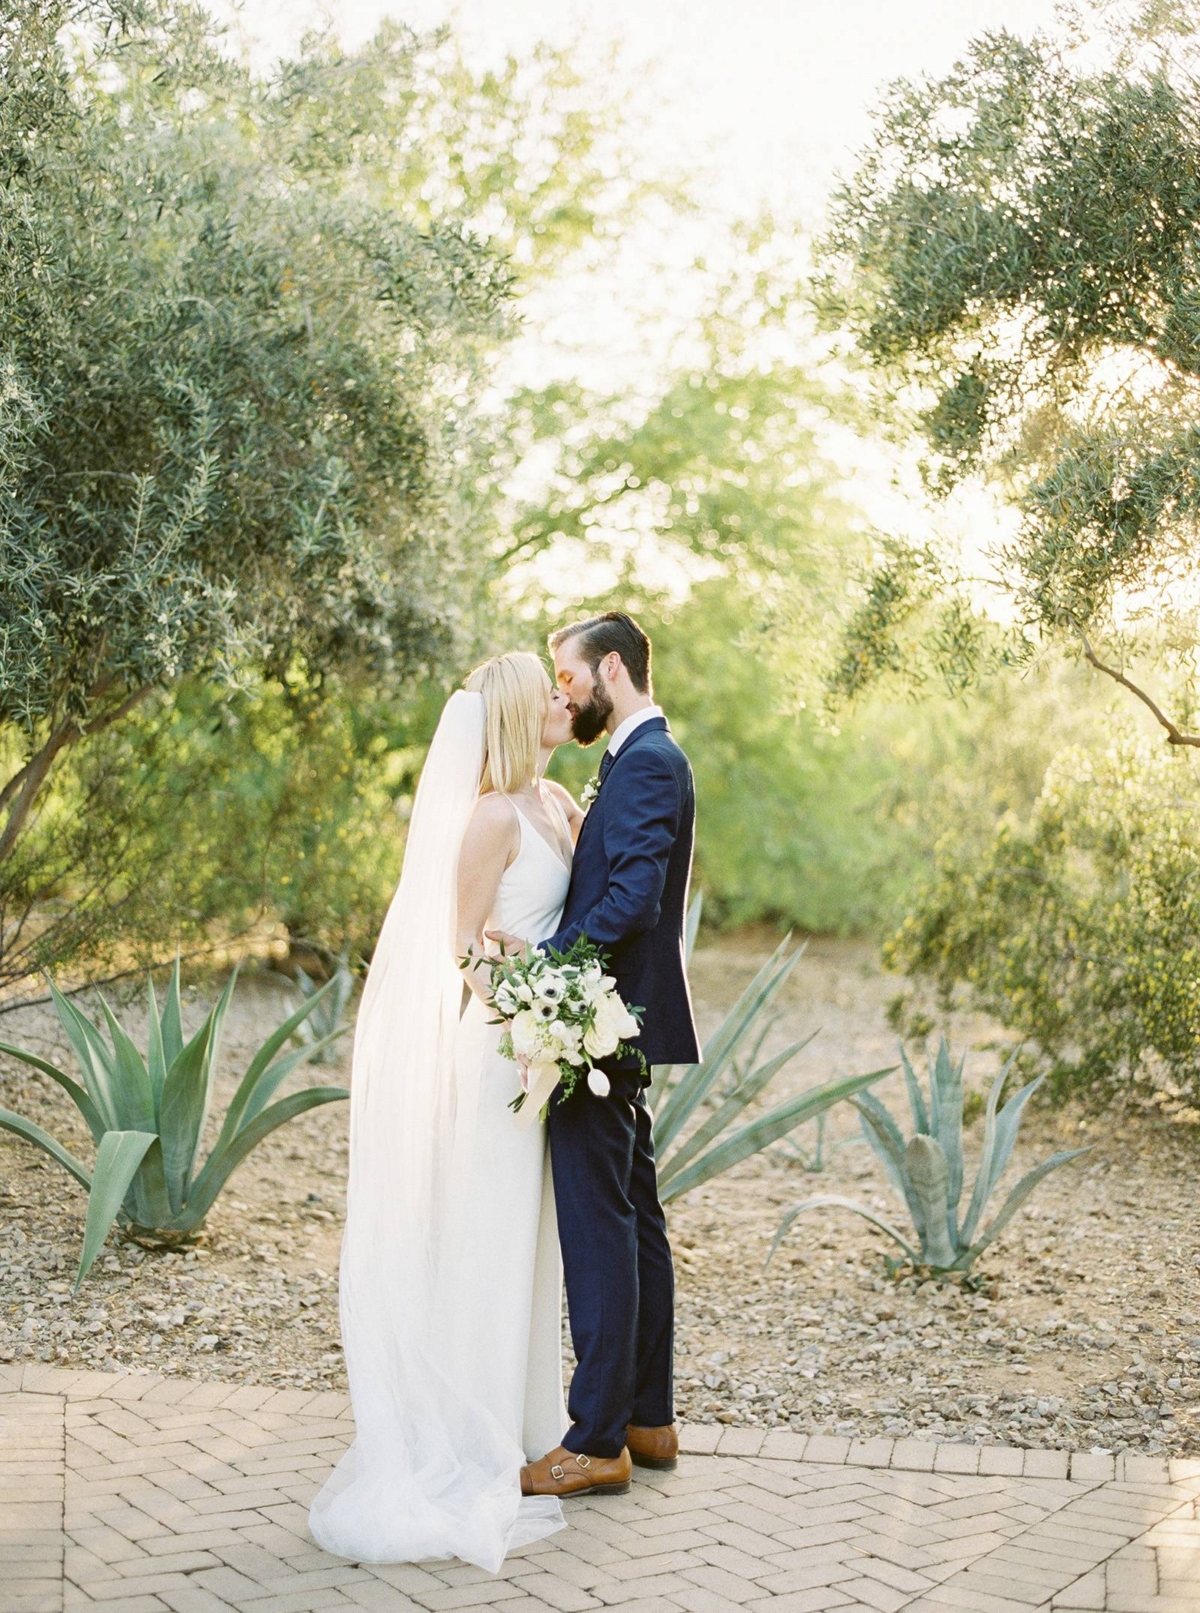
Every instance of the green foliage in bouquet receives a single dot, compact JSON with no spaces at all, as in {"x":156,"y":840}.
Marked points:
{"x":1079,"y":926}
{"x":147,"y":1115}
{"x":717,"y":1143}
{"x":927,"y":1169}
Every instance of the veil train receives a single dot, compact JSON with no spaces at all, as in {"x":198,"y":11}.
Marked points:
{"x":431,"y":1472}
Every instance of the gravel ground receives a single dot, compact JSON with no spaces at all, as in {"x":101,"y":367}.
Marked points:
{"x":1084,"y":1334}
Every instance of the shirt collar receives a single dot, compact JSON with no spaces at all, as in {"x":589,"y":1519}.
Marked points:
{"x":623,"y":730}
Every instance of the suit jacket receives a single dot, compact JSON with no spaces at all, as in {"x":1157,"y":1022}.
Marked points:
{"x":629,"y":886}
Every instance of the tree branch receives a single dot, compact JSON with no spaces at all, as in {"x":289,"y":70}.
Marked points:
{"x":1175,"y":735}
{"x":33,"y":775}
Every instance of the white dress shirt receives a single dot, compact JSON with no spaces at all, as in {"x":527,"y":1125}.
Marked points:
{"x":623,"y":730}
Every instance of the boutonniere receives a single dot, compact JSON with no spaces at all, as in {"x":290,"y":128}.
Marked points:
{"x":590,"y":791}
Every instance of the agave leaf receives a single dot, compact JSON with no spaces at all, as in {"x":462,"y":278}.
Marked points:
{"x":148,"y":1201}
{"x":930,"y":1177}
{"x":823,"y":1199}
{"x":916,"y":1098}
{"x":661,"y":1079}
{"x":997,"y":1146}
{"x":935,"y":1092}
{"x":275,"y":1074}
{"x":225,"y":1158}
{"x":950,"y":1133}
{"x":131,"y":1084}
{"x":43,"y":1139}
{"x":95,"y":1059}
{"x":723,"y":1116}
{"x":884,"y":1136}
{"x":260,"y":1061}
{"x":117,"y":1159}
{"x":1017,"y":1197}
{"x":768,"y":1128}
{"x":692,"y":925}
{"x":184,"y":1104}
{"x":156,"y":1061}
{"x":172,"y":1019}
{"x":698,"y":1079}
{"x":77,"y":1094}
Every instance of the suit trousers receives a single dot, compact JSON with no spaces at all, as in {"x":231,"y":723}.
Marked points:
{"x":616,"y":1264}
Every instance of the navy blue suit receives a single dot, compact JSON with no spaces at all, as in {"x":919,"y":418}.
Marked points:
{"x":628,"y":895}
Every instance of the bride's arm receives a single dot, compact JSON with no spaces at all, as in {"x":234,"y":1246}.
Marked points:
{"x":491,"y":842}
{"x":570,"y":805}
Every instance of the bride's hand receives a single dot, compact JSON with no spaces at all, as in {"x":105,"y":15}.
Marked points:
{"x":510,"y":945}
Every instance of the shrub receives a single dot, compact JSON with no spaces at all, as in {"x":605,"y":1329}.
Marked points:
{"x":1080,"y":928}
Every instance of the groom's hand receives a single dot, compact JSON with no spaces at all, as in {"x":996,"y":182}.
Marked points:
{"x":510,"y":945}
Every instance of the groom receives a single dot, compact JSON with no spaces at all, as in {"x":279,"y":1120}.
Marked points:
{"x":628,"y":895}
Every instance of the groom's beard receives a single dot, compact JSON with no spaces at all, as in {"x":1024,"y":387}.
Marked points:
{"x":587,"y":722}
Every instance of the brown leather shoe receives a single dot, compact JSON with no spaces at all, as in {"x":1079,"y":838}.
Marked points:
{"x":653,"y":1447}
{"x":563,"y":1472}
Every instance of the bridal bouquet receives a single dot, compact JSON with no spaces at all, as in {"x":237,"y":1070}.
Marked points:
{"x":560,"y":1012}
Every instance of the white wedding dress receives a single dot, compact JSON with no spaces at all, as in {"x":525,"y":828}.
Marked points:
{"x":451,"y":1275}
{"x":503,"y":1225}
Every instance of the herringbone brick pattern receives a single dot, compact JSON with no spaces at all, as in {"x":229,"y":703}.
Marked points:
{"x":149,"y":1494}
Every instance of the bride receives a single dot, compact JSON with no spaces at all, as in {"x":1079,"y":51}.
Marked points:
{"x":451,"y":1277}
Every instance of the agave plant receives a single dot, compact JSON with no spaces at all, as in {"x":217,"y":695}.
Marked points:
{"x":927,"y":1170}
{"x":326,"y":1022}
{"x":146,"y":1115}
{"x":730,"y":1071}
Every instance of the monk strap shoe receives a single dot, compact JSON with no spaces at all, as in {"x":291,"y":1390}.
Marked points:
{"x":564,"y":1472}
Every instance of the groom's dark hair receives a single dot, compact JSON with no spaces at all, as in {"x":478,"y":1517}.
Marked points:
{"x":601,"y":635}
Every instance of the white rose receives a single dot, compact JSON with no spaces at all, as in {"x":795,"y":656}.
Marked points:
{"x":524,"y":1032}
{"x":600,"y":1040}
{"x":524,"y":992}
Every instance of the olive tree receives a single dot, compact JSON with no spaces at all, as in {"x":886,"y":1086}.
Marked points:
{"x":1016,"y":260}
{"x":249,"y":322}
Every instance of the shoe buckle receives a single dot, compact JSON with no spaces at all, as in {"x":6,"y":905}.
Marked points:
{"x":584,"y":1461}
{"x":556,"y":1472}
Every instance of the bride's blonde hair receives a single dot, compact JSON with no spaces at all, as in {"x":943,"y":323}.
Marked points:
{"x":516,"y":694}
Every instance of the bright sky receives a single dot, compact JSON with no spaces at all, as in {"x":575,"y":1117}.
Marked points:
{"x":764,"y":99}
{"x":777,"y":92}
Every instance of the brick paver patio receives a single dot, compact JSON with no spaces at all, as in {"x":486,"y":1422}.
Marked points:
{"x":145,"y":1493}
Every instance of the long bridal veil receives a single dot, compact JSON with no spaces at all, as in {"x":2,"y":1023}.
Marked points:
{"x":431,"y":1472}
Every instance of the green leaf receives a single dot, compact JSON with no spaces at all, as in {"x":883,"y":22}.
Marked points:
{"x":78,"y":1094}
{"x":821,"y":1200}
{"x":698,"y":1079}
{"x":916,"y":1098}
{"x":156,"y":1060}
{"x":259,"y":1063}
{"x":929,"y":1175}
{"x":767,"y":1129}
{"x":885,"y":1137}
{"x":997,"y":1146}
{"x":131,"y":1081}
{"x":172,"y":1019}
{"x":692,"y":925}
{"x":742,"y":1095}
{"x":95,"y":1059}
{"x":117,"y":1159}
{"x":1019,"y":1194}
{"x":225,"y":1158}
{"x":43,"y":1139}
{"x":184,"y":1105}
{"x":949,"y":1133}
{"x":275,"y":1074}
